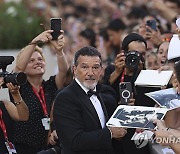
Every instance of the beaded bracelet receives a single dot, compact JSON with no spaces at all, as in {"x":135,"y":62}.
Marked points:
{"x":17,"y":103}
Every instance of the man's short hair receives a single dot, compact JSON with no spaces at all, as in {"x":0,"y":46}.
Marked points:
{"x":87,"y":51}
{"x":130,"y":38}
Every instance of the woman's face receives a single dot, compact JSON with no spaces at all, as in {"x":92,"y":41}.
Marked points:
{"x":36,"y":65}
{"x":162,"y":53}
{"x":152,"y":62}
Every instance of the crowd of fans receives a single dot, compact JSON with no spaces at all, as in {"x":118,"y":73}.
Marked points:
{"x":113,"y":27}
{"x":104,"y":24}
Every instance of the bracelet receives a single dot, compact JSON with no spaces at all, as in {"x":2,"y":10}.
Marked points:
{"x":19,"y":102}
{"x":60,"y":55}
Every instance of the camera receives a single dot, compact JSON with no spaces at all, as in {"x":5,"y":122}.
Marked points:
{"x":132,"y":59}
{"x":15,"y":78}
{"x":125,"y":90}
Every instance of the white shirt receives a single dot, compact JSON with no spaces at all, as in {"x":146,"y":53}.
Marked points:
{"x":96,"y":103}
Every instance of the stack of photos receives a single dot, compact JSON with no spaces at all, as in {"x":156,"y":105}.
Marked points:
{"x":136,"y":116}
{"x":168,"y":98}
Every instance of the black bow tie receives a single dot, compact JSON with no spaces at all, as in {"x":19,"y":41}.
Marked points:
{"x":91,"y":92}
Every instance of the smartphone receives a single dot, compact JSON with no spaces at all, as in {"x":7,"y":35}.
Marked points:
{"x":125,"y":90}
{"x":56,"y":26}
{"x":152,"y":24}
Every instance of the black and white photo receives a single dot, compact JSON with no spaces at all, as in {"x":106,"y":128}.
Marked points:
{"x":168,"y":98}
{"x":136,"y":116}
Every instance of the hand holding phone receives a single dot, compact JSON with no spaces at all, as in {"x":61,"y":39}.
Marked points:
{"x":125,"y":91}
{"x":152,"y":24}
{"x":56,"y":27}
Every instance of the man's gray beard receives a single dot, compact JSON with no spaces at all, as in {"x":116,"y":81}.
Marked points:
{"x":92,"y":86}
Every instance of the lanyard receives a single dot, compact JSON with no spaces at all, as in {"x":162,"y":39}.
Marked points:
{"x":2,"y":125}
{"x":42,"y":100}
{"x":122,"y":76}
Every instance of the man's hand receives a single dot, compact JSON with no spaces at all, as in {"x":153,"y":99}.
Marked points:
{"x":131,"y":102}
{"x":117,"y":132}
{"x":119,"y":63}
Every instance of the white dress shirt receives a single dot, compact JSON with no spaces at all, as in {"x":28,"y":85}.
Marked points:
{"x":96,"y":103}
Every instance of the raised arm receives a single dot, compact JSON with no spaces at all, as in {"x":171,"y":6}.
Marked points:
{"x":119,"y":66}
{"x":25,"y":54}
{"x":19,"y":111}
{"x":164,"y":10}
{"x":61,"y":61}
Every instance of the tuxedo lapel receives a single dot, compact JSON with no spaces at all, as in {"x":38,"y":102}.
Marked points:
{"x":86,"y":101}
{"x":90,"y":107}
{"x":103,"y":107}
{"x":99,"y":88}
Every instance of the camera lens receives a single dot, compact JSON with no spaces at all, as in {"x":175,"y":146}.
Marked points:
{"x":132,"y":59}
{"x":21,"y":78}
{"x":123,"y":86}
{"x":125,"y":94}
{"x":15,"y":78}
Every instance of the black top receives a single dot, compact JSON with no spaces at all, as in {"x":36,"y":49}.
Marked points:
{"x":77,"y":122}
{"x":9,"y":125}
{"x":138,"y":92}
{"x":32,"y":133}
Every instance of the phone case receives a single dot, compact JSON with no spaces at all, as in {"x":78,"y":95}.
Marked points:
{"x":56,"y":26}
{"x":125,"y":91}
{"x":152,"y":24}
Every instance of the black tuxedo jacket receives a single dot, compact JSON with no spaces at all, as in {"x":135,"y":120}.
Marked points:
{"x":77,"y":123}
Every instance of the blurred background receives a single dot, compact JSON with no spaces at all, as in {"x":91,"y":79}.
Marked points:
{"x":20,"y":19}
{"x":100,"y":23}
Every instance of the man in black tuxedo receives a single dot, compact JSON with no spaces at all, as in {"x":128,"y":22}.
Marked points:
{"x":80,"y":116}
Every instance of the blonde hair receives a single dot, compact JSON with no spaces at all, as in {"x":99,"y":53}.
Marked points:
{"x":37,"y":49}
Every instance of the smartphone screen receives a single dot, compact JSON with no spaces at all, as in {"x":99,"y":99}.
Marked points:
{"x":152,"y":24}
{"x":125,"y":91}
{"x":56,"y":26}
